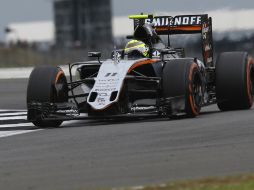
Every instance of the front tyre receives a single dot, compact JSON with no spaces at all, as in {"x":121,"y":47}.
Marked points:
{"x":46,"y":85}
{"x":182,"y":78}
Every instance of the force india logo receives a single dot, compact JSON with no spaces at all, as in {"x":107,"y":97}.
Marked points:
{"x":175,"y":21}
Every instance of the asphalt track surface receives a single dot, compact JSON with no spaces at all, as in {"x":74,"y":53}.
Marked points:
{"x":99,"y":154}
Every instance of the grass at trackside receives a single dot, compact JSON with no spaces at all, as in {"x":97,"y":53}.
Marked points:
{"x":244,"y":182}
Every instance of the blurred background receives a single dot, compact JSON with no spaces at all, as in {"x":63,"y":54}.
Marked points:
{"x":56,"y":32}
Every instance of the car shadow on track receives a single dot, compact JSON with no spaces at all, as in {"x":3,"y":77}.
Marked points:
{"x":22,"y":128}
{"x":108,"y":122}
{"x":91,"y":123}
{"x":209,"y":112}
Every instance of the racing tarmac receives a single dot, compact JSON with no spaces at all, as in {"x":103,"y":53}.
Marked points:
{"x":97,"y":154}
{"x":13,"y":93}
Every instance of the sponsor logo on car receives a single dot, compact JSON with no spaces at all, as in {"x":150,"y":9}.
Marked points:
{"x":156,"y":53}
{"x":175,"y":21}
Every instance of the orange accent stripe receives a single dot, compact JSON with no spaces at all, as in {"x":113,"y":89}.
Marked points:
{"x":58,"y":75}
{"x":182,"y":28}
{"x":145,"y":62}
{"x":193,"y":107}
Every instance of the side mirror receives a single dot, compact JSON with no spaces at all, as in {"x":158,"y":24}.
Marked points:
{"x":94,"y":54}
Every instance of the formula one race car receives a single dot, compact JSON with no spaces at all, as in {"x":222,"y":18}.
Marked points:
{"x":147,"y":78}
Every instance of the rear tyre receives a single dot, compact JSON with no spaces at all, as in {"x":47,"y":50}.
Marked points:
{"x":182,"y":77}
{"x":234,"y":81}
{"x":46,"y":85}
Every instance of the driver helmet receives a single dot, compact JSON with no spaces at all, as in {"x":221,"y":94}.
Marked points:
{"x":136,"y":48}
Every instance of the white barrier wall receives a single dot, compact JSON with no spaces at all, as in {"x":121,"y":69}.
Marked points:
{"x":23,"y":72}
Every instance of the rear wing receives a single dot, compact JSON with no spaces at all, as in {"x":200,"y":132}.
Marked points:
{"x":182,"y":24}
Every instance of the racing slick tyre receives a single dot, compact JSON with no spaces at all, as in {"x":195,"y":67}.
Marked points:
{"x":46,"y":84}
{"x":234,"y":81}
{"x":182,"y":78}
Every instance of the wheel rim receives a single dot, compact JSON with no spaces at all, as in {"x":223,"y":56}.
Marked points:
{"x":250,"y":80}
{"x":197,"y":91}
{"x":61,"y":88}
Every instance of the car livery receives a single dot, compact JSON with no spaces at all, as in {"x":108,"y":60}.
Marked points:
{"x":165,"y":84}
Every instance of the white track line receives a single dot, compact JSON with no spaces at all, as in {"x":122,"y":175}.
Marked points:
{"x":16,"y":125}
{"x":19,"y":116}
{"x":10,"y":110}
{"x":13,"y":118}
{"x":18,"y":132}
{"x":13,"y":114}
